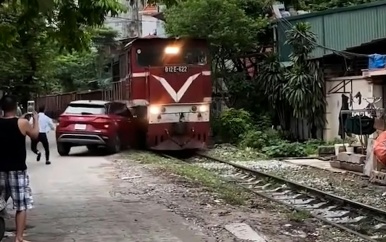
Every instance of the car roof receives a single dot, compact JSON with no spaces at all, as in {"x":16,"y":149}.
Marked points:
{"x":94,"y":102}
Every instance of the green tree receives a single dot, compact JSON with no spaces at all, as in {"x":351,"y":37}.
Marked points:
{"x":33,"y":34}
{"x":272,"y":81}
{"x":231,"y":33}
{"x":66,"y":21}
{"x":82,"y":70}
{"x":305,"y":87}
{"x":298,"y":88}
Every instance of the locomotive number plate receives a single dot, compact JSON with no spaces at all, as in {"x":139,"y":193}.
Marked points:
{"x":176,"y":68}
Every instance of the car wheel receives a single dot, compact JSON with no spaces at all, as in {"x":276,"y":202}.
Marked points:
{"x":115,"y":145}
{"x":92,"y":147}
{"x":63,"y":149}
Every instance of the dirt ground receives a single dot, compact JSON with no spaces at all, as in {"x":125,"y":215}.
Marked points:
{"x":203,"y":210}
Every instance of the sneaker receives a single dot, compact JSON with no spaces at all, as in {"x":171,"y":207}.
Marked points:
{"x":38,"y":156}
{"x":48,"y":162}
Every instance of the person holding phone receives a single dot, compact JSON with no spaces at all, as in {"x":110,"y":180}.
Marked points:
{"x":14,"y":179}
{"x":45,"y":126}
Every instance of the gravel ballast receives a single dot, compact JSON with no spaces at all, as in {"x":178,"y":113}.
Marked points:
{"x":346,"y":185}
{"x":150,"y":179}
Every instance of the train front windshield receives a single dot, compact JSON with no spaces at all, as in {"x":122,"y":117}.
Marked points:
{"x":171,"y":55}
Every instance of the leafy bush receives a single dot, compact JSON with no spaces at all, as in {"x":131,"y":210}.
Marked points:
{"x":285,"y":149}
{"x":232,"y":124}
{"x":311,"y":146}
{"x":259,"y":139}
{"x":263,"y":122}
{"x":336,"y":141}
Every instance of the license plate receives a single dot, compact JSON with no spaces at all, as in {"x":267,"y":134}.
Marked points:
{"x":80,"y":126}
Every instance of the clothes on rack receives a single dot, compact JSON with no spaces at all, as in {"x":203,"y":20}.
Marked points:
{"x":342,"y":117}
{"x":359,"y":125}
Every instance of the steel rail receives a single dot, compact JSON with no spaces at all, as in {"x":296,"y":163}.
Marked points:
{"x":330,"y":196}
{"x":316,"y":192}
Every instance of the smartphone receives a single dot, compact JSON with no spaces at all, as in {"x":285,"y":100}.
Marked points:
{"x":30,"y":107}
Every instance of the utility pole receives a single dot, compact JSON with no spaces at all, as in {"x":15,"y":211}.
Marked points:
{"x":135,"y":18}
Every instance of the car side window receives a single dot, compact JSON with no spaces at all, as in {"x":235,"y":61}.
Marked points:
{"x":112,"y":109}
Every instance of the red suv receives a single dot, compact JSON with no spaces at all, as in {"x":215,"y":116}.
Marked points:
{"x":94,"y":123}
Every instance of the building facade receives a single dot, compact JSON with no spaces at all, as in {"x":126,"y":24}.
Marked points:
{"x":347,"y":40}
{"x":138,"y":21}
{"x":150,"y":24}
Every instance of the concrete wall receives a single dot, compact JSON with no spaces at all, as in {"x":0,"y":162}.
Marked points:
{"x":152,"y":25}
{"x":353,"y":85}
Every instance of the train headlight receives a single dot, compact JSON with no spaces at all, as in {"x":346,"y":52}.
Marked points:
{"x":172,"y":50}
{"x":155,"y":110}
{"x":203,"y":108}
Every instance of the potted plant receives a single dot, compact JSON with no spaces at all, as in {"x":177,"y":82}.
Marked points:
{"x":351,"y":141}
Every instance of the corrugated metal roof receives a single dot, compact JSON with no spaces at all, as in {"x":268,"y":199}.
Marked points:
{"x":339,"y":28}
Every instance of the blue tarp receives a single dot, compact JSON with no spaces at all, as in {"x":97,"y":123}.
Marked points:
{"x":377,"y":61}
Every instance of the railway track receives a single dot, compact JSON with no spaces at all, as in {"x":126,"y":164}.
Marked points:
{"x":364,"y":221}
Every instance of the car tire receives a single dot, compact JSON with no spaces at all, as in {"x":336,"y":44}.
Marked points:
{"x":63,"y":149}
{"x":92,"y":147}
{"x":115,"y":145}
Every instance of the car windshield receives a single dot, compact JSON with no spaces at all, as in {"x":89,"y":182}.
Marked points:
{"x":85,"y":109}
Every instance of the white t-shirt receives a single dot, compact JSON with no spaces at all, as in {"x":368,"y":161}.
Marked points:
{"x":45,"y":123}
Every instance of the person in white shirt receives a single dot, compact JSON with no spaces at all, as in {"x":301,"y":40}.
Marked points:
{"x":45,"y":126}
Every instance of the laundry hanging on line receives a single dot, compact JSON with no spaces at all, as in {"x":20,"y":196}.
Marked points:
{"x":359,"y":125}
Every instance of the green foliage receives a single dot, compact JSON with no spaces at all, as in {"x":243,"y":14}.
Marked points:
{"x":232,"y":124}
{"x":259,"y":139}
{"x":320,"y":5}
{"x":74,"y":70}
{"x":311,"y":146}
{"x":262,"y":121}
{"x":237,"y":126}
{"x":305,"y":87}
{"x":223,"y":22}
{"x":33,"y":33}
{"x":234,"y":29}
{"x":272,"y":80}
{"x":300,"y":87}
{"x":83,"y":70}
{"x":66,"y":21}
{"x":285,"y":149}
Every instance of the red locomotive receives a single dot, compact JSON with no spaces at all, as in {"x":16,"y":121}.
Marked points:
{"x":167,"y":85}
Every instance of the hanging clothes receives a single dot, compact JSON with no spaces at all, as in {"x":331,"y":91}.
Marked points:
{"x":359,"y":125}
{"x":342,"y":117}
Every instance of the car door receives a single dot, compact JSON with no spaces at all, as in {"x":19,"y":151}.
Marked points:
{"x":125,"y":123}
{"x":113,"y":113}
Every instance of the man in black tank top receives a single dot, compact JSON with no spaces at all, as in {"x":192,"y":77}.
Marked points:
{"x":14,"y":180}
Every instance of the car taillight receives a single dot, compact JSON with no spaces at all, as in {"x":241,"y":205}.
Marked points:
{"x":105,"y":122}
{"x":61,"y":121}
{"x":102,"y":120}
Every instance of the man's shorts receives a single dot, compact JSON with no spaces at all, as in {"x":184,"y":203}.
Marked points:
{"x":16,"y":185}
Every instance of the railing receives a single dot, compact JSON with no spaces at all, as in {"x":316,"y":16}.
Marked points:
{"x":55,"y":104}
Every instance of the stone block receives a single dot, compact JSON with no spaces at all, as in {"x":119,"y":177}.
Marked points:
{"x":335,"y":164}
{"x":351,"y":158}
{"x":352,"y":167}
{"x":347,"y":166}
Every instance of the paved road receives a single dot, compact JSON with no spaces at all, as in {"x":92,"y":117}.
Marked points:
{"x":73,"y":203}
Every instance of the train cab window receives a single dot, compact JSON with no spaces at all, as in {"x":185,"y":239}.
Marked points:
{"x":157,"y":57}
{"x":197,"y":57}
